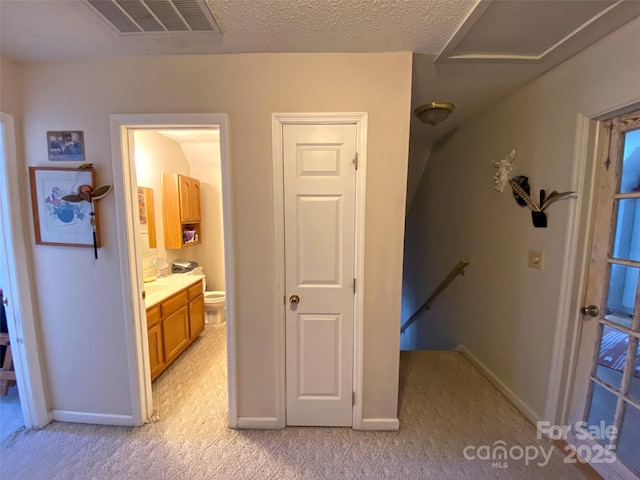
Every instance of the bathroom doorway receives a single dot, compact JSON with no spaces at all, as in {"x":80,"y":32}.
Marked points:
{"x":148,"y":150}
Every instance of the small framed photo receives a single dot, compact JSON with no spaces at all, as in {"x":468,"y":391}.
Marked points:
{"x":65,"y":145}
{"x":56,"y":221}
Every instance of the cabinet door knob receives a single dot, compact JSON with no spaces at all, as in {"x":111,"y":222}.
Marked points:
{"x":294,"y":299}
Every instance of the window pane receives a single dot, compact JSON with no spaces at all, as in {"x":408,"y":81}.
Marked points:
{"x":612,"y":356}
{"x":629,"y":445}
{"x":634,"y":386}
{"x":630,"y":178}
{"x":627,"y":242}
{"x":602,"y":408}
{"x":622,"y":294}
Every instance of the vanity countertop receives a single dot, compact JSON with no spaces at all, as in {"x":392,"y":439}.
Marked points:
{"x":162,"y":288}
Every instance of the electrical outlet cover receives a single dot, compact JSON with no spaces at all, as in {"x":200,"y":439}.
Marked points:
{"x":535,"y":259}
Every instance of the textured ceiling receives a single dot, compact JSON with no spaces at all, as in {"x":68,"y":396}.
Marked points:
{"x":33,"y":30}
{"x":48,"y":29}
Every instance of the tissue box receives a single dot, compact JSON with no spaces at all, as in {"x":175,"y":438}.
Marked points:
{"x":188,"y":236}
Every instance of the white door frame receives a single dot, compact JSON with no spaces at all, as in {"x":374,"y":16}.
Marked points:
{"x":124,"y":175}
{"x":22,"y":324}
{"x":587,"y":346}
{"x":277,"y":122}
{"x":577,"y":251}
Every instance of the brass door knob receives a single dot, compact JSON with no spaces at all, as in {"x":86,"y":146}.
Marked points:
{"x":294,"y":299}
{"x":591,"y":310}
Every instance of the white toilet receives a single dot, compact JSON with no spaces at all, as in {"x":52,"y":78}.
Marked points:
{"x":214,"y":307}
{"x":214,"y":301}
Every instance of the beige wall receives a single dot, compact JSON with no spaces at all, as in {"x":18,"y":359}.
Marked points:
{"x":82,"y":322}
{"x":10,"y":87}
{"x":419,"y":154}
{"x":504,"y":312}
{"x":204,"y":159}
{"x":156,"y":154}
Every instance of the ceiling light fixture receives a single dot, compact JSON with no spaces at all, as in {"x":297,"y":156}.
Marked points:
{"x":435,"y":112}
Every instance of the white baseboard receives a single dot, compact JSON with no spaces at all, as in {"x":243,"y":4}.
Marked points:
{"x":506,"y":391}
{"x":261,"y":423}
{"x":92,"y":418}
{"x":380,"y":424}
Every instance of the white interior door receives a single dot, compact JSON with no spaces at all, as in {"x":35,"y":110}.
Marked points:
{"x":15,"y":284}
{"x":8,"y":281}
{"x":607,"y":382}
{"x":319,"y":201}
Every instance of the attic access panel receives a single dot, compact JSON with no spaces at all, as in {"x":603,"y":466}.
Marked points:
{"x":534,"y":30}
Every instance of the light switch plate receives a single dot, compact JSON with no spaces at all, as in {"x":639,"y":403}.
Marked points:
{"x":535,"y":259}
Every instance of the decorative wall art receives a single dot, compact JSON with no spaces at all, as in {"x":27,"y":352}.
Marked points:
{"x":63,"y":145}
{"x":504,"y":166}
{"x":86,"y":193}
{"x":146,"y":213}
{"x":56,"y":221}
{"x":522,"y":190}
{"x":142,"y":209}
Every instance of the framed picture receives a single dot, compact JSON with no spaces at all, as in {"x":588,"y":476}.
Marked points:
{"x":142,"y":210}
{"x":146,"y":213}
{"x":65,"y":145}
{"x":56,"y":221}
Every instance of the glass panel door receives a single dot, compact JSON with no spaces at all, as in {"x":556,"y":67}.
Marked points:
{"x":614,"y":383}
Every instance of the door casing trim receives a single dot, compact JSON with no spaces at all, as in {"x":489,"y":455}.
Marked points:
{"x":122,"y":126}
{"x":23,"y":333}
{"x":576,"y":392}
{"x":574,"y":271}
{"x":567,"y":333}
{"x":360,"y":120}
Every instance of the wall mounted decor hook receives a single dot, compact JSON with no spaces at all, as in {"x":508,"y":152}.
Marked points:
{"x":87,"y":194}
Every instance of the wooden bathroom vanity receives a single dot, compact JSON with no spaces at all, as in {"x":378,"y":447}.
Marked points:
{"x":175,"y":318}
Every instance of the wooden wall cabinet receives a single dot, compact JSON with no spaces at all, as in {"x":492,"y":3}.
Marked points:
{"x":189,"y":193}
{"x":180,"y":209}
{"x":172,"y":326}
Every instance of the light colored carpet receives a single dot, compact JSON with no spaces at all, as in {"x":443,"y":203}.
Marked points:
{"x":445,"y":405}
{"x":10,"y":413}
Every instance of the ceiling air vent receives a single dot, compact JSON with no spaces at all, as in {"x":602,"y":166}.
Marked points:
{"x":129,"y":17}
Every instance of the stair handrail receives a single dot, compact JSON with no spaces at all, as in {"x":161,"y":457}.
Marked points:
{"x":457,"y":270}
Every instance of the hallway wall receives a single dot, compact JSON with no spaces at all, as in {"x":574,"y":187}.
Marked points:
{"x":419,"y":153}
{"x":10,"y":87}
{"x":85,"y":354}
{"x":504,"y":312}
